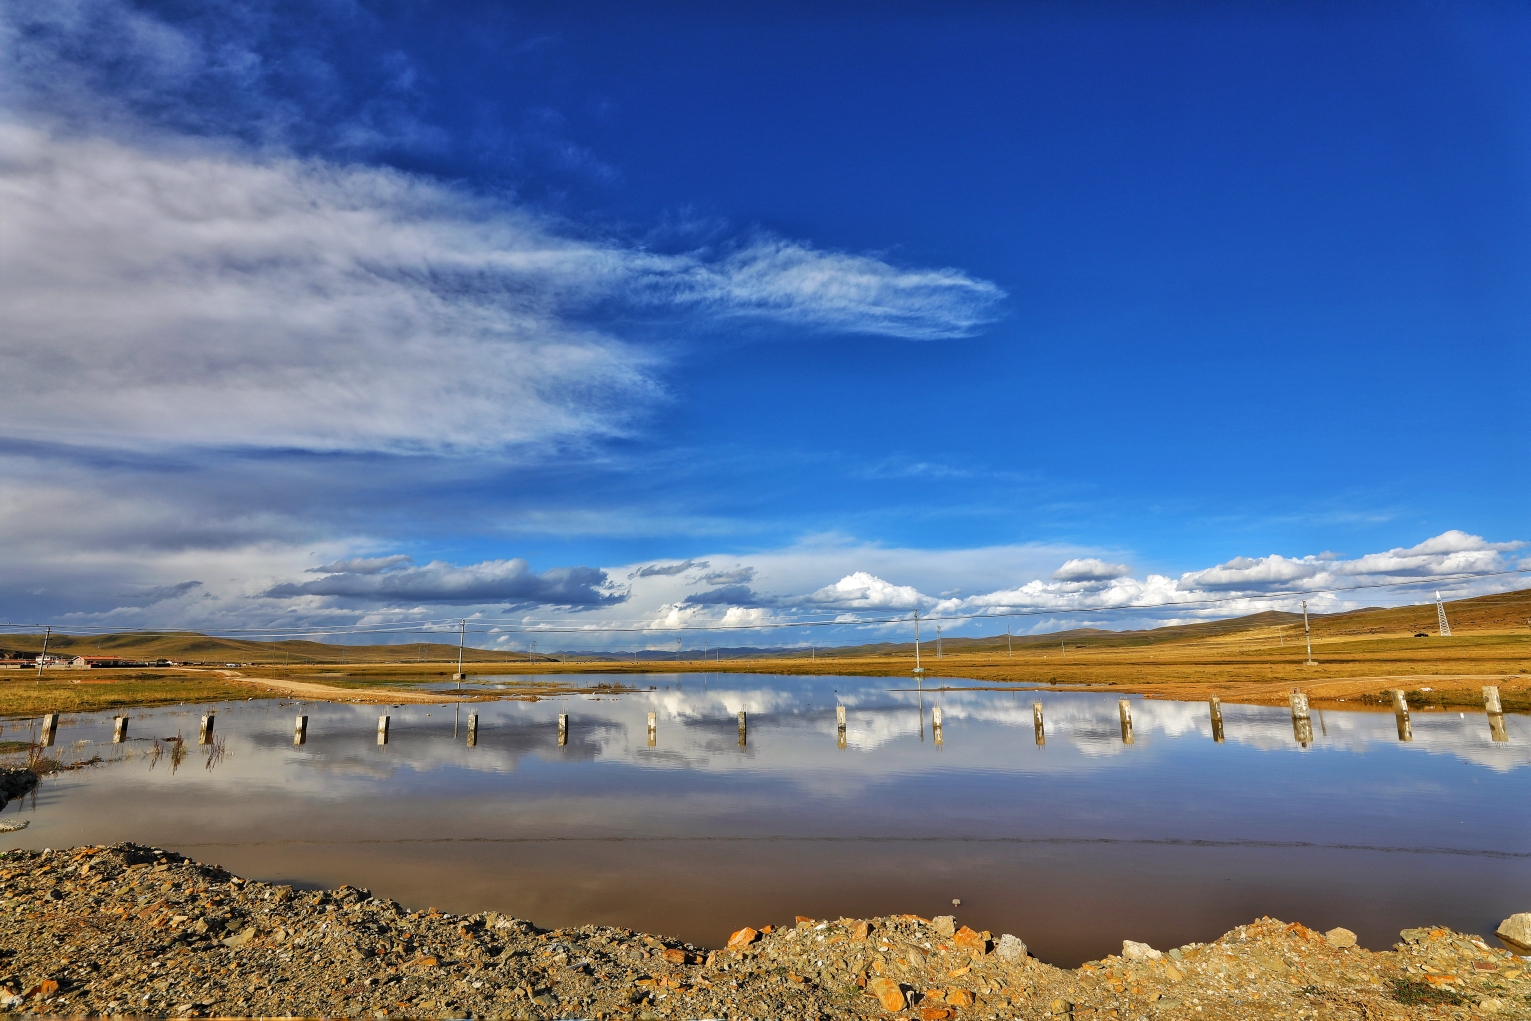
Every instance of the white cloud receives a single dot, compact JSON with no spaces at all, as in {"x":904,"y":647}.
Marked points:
{"x":194,"y":293}
{"x":1090,"y":569}
{"x":863,"y":591}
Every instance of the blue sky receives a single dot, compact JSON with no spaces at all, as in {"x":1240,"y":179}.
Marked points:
{"x":868,"y":307}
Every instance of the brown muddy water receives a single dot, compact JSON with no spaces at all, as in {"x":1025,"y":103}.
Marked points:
{"x":1074,"y":844}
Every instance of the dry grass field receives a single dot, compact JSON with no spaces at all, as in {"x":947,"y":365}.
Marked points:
{"x":1257,"y":659}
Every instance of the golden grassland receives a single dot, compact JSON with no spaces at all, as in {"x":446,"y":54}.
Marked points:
{"x":1258,"y":659}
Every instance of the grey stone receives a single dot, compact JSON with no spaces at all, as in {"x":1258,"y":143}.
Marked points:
{"x":1139,"y":951}
{"x":1344,"y":939}
{"x":1010,"y":948}
{"x":946,"y":925}
{"x":1516,"y":931}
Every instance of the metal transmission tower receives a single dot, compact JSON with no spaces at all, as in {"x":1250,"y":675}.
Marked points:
{"x":1440,"y":613}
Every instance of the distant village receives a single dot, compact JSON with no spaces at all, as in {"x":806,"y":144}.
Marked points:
{"x":21,"y":660}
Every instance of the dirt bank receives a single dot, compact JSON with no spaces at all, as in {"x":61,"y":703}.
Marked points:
{"x":133,"y":930}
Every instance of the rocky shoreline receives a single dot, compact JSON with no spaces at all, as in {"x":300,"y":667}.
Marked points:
{"x":133,"y":930}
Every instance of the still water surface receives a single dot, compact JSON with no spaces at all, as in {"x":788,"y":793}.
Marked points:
{"x":1073,"y":845}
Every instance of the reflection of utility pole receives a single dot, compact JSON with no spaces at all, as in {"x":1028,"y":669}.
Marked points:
{"x":1308,"y":633}
{"x":917,"y":668}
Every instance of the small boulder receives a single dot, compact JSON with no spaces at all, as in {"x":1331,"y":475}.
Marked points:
{"x":959,"y":997}
{"x":1342,"y":939}
{"x":945,"y":925}
{"x":1516,"y":931}
{"x":887,"y":992}
{"x":1010,"y":948}
{"x":967,"y":939}
{"x":743,"y":938}
{"x":1139,"y":951}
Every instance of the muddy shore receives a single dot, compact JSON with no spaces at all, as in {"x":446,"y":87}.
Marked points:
{"x":134,"y":930}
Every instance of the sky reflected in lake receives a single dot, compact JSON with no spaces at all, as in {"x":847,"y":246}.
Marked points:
{"x":1073,"y":844}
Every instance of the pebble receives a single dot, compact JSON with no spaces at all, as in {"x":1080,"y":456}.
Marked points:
{"x":129,"y":929}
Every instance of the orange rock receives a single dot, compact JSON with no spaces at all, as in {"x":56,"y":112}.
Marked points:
{"x":47,"y":988}
{"x":967,"y":939}
{"x":427,"y":962}
{"x":959,"y":972}
{"x":887,"y":992}
{"x":935,"y":995}
{"x":934,"y":1013}
{"x":743,"y":938}
{"x":804,"y":919}
{"x":861,"y":930}
{"x":766,"y":930}
{"x":959,"y":997}
{"x":675,"y":955}
{"x":794,"y":977}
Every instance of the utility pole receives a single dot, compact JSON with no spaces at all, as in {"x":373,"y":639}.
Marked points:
{"x":917,"y":668}
{"x":677,"y":650}
{"x":462,"y":636}
{"x":1307,"y":633}
{"x":1009,"y":647}
{"x":938,"y":641}
{"x":47,"y":634}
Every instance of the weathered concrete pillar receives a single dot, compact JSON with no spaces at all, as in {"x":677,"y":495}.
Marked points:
{"x":1037,"y":724}
{"x":472,"y":730}
{"x":1401,"y":715}
{"x":653,"y":729}
{"x":119,"y":729}
{"x":300,"y":731}
{"x":563,"y":729}
{"x":743,"y":728}
{"x":1491,"y":703}
{"x":1496,"y":727}
{"x":382,"y":730}
{"x":205,"y":735}
{"x":50,"y":729}
{"x":1217,"y":719}
{"x":1124,"y":710}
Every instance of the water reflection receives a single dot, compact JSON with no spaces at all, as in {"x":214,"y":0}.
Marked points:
{"x":780,"y":796}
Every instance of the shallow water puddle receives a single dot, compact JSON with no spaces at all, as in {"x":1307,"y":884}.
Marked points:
{"x":1073,"y":843}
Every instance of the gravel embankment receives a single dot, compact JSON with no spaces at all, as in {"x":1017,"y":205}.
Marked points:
{"x":133,"y":930}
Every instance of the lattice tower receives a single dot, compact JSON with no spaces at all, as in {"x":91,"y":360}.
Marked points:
{"x":1440,"y":612}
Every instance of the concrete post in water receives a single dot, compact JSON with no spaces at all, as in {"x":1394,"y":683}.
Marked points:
{"x":840,"y":716}
{"x":119,"y":729}
{"x":563,"y":729}
{"x":1496,"y":727}
{"x":50,"y":729}
{"x":1124,"y":710}
{"x":205,"y":735}
{"x":1491,"y":703}
{"x":1302,"y":719}
{"x":935,"y":725}
{"x":300,"y":731}
{"x":1036,"y":723}
{"x":1217,"y":719}
{"x":653,"y":728}
{"x":743,"y":728}
{"x":472,"y":730}
{"x":1401,"y":713}
{"x":382,"y":730}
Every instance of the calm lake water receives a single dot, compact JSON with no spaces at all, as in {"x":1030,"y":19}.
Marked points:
{"x":1073,"y":845}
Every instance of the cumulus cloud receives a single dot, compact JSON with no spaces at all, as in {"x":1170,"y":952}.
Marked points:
{"x":440,"y":582}
{"x":667,"y":570}
{"x":160,"y":594}
{"x":1090,"y":569}
{"x":727,"y":595}
{"x":863,"y":591}
{"x":362,"y":565}
{"x":739,"y":576}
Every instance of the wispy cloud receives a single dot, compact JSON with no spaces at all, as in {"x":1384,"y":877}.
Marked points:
{"x":667,"y":570}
